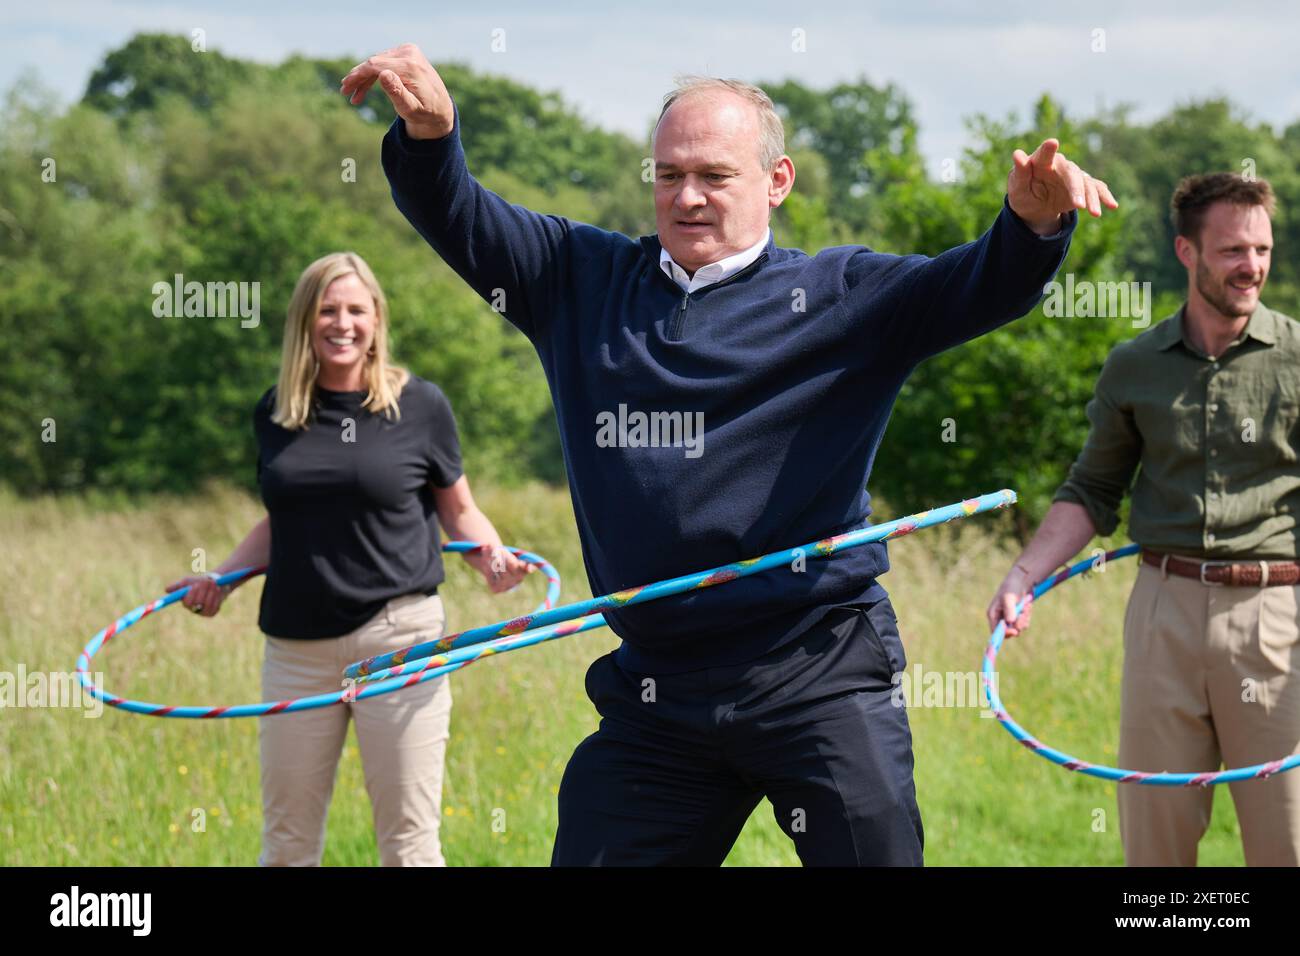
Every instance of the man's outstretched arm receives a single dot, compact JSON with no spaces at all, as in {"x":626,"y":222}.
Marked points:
{"x":1087,"y":503}
{"x":506,"y":253}
{"x":974,"y":288}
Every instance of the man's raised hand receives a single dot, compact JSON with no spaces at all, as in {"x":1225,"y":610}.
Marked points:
{"x":1046,"y":185}
{"x":411,"y":83}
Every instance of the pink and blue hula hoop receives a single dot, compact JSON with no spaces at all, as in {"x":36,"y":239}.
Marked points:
{"x":1161,"y":779}
{"x":419,"y":655}
{"x":268,"y":708}
{"x":431,"y":659}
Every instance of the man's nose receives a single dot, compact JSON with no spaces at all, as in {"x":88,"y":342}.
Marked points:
{"x":690,"y":194}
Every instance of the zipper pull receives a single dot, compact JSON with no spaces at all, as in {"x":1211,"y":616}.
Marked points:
{"x":680,"y":321}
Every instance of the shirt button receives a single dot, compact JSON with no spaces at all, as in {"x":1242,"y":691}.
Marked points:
{"x":1214,"y":366}
{"x":1214,"y":453}
{"x":1209,"y":538}
{"x":1213,"y":495}
{"x":1214,"y":406}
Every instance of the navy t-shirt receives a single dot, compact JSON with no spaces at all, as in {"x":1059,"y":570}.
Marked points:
{"x":353,"y":520}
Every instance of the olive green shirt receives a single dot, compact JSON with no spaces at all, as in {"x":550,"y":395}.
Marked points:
{"x":1214,"y":442}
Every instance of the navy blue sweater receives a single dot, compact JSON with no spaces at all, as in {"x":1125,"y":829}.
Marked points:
{"x":793,"y":363}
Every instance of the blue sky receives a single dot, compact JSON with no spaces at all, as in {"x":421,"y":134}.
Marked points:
{"x":614,"y":60}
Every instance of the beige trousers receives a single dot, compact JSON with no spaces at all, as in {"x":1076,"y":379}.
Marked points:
{"x":402,"y":737}
{"x":1211,"y":679}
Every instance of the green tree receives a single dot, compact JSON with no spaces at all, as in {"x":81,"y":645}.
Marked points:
{"x":152,"y":66}
{"x":843,"y":124}
{"x":1007,"y":409}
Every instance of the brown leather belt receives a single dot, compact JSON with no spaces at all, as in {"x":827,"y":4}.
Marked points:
{"x":1237,"y":574}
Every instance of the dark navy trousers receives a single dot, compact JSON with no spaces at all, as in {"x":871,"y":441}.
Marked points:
{"x":679,"y":761}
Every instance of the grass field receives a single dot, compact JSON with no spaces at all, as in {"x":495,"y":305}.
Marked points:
{"x":124,"y":790}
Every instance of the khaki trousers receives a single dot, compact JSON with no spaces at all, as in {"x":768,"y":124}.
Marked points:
{"x":1211,"y":678}
{"x":402,"y":737}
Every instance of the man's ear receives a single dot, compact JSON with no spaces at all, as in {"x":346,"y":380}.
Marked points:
{"x":782,"y":181}
{"x":1186,"y":251}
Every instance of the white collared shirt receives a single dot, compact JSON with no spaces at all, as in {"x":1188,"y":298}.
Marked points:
{"x":714,"y":271}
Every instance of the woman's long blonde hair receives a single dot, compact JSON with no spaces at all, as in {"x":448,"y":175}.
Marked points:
{"x":298,"y":362}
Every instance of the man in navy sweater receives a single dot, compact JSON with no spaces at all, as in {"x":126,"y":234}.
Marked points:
{"x":719,"y":397}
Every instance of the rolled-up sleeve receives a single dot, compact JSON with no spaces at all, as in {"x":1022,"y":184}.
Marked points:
{"x":1103,"y":472}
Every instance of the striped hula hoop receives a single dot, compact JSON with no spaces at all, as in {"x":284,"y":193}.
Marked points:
{"x":422,"y":662}
{"x":1161,"y":779}
{"x":271,"y":707}
{"x":415,"y":658}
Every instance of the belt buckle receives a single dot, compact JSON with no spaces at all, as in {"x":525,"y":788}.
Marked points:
{"x":1206,"y":564}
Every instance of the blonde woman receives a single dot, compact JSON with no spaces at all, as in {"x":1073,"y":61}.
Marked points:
{"x":358,"y":465}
